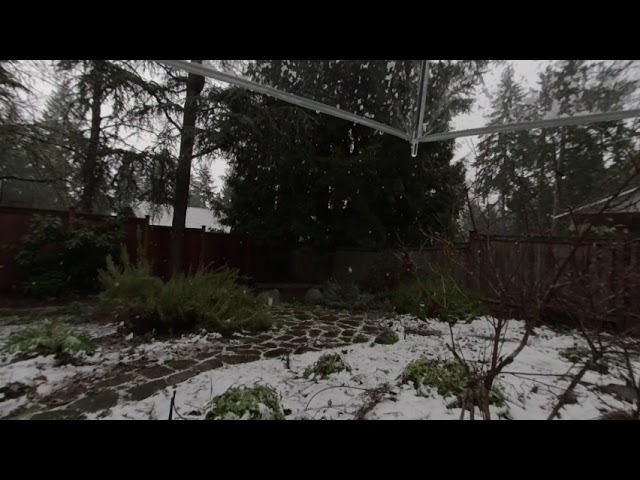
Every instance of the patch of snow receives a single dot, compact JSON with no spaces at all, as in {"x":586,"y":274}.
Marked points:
{"x":531,"y":392}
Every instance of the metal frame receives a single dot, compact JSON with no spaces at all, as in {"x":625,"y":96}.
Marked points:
{"x":529,"y":125}
{"x":422,"y":101}
{"x":417,"y":137}
{"x":284,"y":96}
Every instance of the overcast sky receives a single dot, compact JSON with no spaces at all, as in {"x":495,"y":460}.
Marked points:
{"x":526,"y":72}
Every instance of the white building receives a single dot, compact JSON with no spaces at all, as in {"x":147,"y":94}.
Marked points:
{"x":196,"y":217}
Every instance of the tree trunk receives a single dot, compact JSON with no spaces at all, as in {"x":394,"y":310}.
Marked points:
{"x":195,"y":84}
{"x":90,"y":167}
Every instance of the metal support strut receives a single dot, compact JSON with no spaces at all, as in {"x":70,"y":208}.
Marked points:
{"x":421,"y":104}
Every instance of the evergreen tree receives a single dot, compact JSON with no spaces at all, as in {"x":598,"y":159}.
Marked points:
{"x":105,"y":95}
{"x":298,"y":178}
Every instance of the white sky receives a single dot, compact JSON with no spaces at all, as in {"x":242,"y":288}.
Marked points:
{"x":526,"y":71}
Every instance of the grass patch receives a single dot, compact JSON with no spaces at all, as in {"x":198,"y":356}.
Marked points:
{"x":447,"y":379}
{"x":255,"y":403}
{"x":326,"y":365}
{"x":49,"y":338}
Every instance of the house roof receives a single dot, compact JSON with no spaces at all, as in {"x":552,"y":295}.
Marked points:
{"x":163,"y":216}
{"x":627,"y":201}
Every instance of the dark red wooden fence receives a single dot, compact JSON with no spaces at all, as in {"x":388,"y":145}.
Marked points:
{"x":202,"y":248}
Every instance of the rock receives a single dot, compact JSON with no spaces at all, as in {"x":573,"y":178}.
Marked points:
{"x":270,"y":297}
{"x":313,"y":297}
{"x":388,"y":337}
{"x":14,"y":390}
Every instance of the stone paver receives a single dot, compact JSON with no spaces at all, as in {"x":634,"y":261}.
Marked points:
{"x":180,"y":364}
{"x":62,"y":414}
{"x":300,"y":331}
{"x":96,"y":401}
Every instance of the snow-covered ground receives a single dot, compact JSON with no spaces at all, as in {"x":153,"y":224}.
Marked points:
{"x":46,"y":375}
{"x":530,"y":388}
{"x":531,"y":383}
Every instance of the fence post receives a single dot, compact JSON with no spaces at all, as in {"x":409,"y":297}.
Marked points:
{"x":474,"y":259}
{"x":248,"y":257}
{"x":71,"y":217}
{"x":621,"y":282}
{"x":145,"y":237}
{"x":203,"y":238}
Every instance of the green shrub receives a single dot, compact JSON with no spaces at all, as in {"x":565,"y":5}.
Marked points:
{"x":347,"y":296}
{"x":386,"y":274}
{"x":326,"y":365}
{"x":387,"y":337}
{"x":436,"y":296}
{"x":255,"y":403}
{"x":59,"y":260}
{"x":128,"y":283}
{"x":216,"y":301}
{"x":48,"y":338}
{"x":447,"y":379}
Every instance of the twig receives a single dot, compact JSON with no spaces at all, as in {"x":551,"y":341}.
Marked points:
{"x":172,"y":405}
{"x":565,"y":395}
{"x":373,"y":397}
{"x":537,"y":374}
{"x":335,"y":386}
